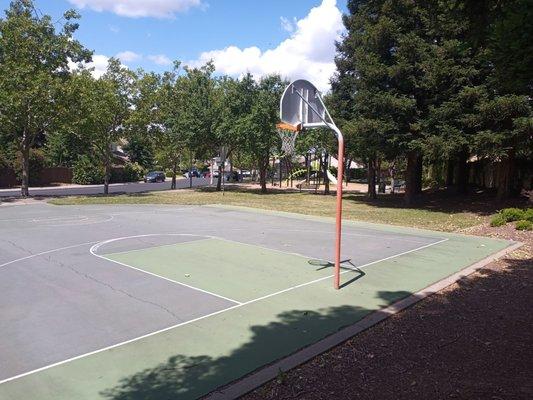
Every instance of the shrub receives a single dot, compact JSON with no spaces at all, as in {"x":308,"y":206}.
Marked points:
{"x":524,"y":225}
{"x":498,"y":220}
{"x":133,"y":172}
{"x":86,"y":172}
{"x":512,"y":214}
{"x":528,"y":215}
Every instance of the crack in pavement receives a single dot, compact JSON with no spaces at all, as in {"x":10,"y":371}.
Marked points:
{"x":16,"y":246}
{"x":87,"y":276}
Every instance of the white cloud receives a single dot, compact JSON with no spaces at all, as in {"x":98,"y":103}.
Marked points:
{"x":160,"y":59}
{"x":140,"y":8}
{"x":99,"y":63}
{"x":308,"y":53}
{"x":287,"y":24}
{"x":128,"y":56}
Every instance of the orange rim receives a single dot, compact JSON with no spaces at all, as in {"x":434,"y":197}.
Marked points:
{"x":289,"y":127}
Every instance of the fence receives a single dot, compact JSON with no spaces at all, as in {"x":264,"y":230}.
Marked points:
{"x":47,"y":176}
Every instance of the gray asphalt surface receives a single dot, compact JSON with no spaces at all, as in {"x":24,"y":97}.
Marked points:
{"x":131,"y":187}
{"x":57,"y":300}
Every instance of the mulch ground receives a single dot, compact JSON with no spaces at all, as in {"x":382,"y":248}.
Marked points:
{"x":473,"y":340}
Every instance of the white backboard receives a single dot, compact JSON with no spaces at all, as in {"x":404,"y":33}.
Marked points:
{"x":301,"y":103}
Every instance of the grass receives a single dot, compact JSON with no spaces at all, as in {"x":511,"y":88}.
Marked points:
{"x":436,"y":215}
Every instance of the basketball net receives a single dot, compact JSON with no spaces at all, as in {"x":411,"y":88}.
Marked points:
{"x":288,"y":134}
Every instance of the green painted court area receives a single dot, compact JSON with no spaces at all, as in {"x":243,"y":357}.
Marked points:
{"x":281,"y":302}
{"x":238,"y":271}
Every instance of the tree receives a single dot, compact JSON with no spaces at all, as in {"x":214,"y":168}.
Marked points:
{"x":143,"y":122}
{"x":235,"y":101}
{"x":201,"y":111}
{"x":105,"y":105}
{"x":171,"y":139}
{"x":375,"y":90}
{"x":506,"y":128}
{"x":34,"y":60}
{"x":260,"y":124}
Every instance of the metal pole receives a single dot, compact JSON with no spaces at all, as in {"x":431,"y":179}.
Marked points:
{"x":340,"y":170}
{"x":338,"y":219}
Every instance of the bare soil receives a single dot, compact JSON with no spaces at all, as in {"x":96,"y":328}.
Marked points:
{"x":473,"y":340}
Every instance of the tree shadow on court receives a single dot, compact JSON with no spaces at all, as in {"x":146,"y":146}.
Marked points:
{"x":189,"y":377}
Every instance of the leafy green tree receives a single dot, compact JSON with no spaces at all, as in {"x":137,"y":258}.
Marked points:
{"x":105,"y":104}
{"x":34,"y":58}
{"x":235,"y":100}
{"x":260,"y":124}
{"x":143,"y":123}
{"x":171,"y":139}
{"x":201,"y":111}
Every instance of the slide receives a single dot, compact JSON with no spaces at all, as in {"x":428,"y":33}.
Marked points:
{"x":331,"y":178}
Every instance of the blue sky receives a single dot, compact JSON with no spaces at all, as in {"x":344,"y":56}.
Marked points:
{"x":292,"y":37}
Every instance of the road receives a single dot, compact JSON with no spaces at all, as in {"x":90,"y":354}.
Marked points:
{"x":131,"y":187}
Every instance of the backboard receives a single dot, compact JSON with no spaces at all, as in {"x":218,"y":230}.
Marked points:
{"x":301,"y":103}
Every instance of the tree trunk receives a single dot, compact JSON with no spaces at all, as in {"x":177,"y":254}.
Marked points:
{"x":107,"y":174}
{"x":219,"y":178}
{"x":449,"y":172}
{"x":190,"y":171}
{"x":505,"y":175}
{"x":347,"y":171}
{"x":371,"y":178}
{"x":413,"y":177}
{"x":272,"y":171}
{"x":280,"y":172}
{"x":461,"y":177}
{"x":263,"y":175}
{"x":174,"y":172}
{"x":418,"y":176}
{"x":24,"y":187}
{"x":326,"y":178}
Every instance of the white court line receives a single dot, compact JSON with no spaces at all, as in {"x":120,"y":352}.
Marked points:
{"x":72,"y":220}
{"x":35,"y":219}
{"x":109,"y":218}
{"x":203,"y":317}
{"x":93,"y":249}
{"x":46,"y":252}
{"x":157,"y":246}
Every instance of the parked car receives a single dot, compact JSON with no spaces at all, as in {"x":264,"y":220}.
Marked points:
{"x":155,"y":176}
{"x":233,"y":176}
{"x":194,"y":173}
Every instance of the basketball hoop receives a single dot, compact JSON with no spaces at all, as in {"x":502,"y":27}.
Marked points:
{"x":288,"y":134}
{"x":301,"y":105}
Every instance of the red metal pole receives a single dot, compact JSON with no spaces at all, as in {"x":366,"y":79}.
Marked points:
{"x":338,"y":218}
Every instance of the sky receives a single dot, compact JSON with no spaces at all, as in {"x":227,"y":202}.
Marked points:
{"x":292,"y":37}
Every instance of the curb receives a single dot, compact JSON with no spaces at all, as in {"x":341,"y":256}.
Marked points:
{"x":261,"y":376}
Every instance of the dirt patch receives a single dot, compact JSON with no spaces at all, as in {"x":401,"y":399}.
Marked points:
{"x":473,"y":340}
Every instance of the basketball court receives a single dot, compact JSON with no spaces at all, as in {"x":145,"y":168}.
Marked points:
{"x":116,"y":302}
